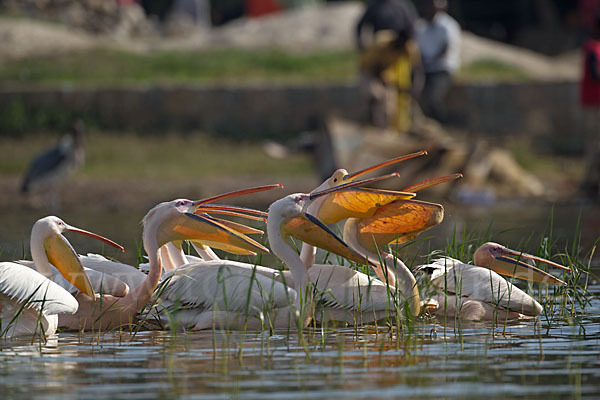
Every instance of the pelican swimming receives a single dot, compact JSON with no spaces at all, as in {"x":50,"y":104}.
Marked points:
{"x":117,"y":279}
{"x":30,"y":302}
{"x":400,"y":220}
{"x":478,"y":292}
{"x":347,"y":295}
{"x":352,"y":296}
{"x":235,"y":295}
{"x":166,"y":222}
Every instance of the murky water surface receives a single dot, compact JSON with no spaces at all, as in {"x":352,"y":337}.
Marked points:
{"x":533,"y":359}
{"x":528,"y":359}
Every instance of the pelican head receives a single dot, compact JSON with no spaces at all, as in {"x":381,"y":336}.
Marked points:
{"x":58,"y":251}
{"x":175,"y":221}
{"x":289,"y":217}
{"x":495,"y":257}
{"x":341,"y":176}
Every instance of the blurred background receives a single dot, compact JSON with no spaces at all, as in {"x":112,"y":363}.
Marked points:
{"x":190,"y":98}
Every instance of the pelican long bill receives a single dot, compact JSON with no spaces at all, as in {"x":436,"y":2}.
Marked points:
{"x":496,"y":257}
{"x":432,"y":182}
{"x":351,"y":177}
{"x":310,"y":230}
{"x":511,"y":267}
{"x":206,"y":230}
{"x":350,"y":201}
{"x":62,"y":255}
{"x":237,"y":193}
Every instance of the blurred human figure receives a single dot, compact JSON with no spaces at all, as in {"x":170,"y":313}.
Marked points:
{"x":387,"y":57}
{"x":438,"y":36}
{"x":389,"y":68}
{"x":395,"y":15}
{"x":49,"y":168}
{"x":590,"y":101}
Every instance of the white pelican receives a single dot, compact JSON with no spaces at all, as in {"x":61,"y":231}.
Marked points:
{"x":117,"y":279}
{"x":347,"y":295}
{"x":483,"y":294}
{"x":235,"y":295}
{"x":29,"y":301}
{"x":478,"y":293}
{"x":354,"y":297}
{"x":164,"y":223}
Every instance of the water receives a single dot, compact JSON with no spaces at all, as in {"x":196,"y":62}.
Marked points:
{"x":518,"y":224}
{"x":529,"y":359}
{"x":526,"y":359}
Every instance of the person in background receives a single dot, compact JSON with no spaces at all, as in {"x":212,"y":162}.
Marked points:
{"x":393,"y":15}
{"x":391,"y":74}
{"x":386,"y":61}
{"x":590,"y":102}
{"x":438,"y":37}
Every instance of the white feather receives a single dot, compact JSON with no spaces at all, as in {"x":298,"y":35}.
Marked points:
{"x":39,"y":298}
{"x":128,"y":275}
{"x":481,"y":284}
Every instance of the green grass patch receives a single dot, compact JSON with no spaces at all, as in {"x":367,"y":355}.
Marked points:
{"x":170,"y":156}
{"x":492,"y":70}
{"x":114,"y":67}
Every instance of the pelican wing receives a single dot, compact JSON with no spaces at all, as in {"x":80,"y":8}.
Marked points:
{"x":311,"y":231}
{"x":23,"y":284}
{"x":356,"y":203}
{"x":342,"y":287}
{"x":482,"y":284}
{"x":398,"y":222}
{"x":106,"y":276}
{"x":224,"y":286}
{"x":111,"y":273}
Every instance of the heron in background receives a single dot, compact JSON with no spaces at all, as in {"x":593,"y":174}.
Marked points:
{"x":55,"y":164}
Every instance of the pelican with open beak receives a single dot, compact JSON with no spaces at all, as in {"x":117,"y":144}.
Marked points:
{"x":30,"y":301}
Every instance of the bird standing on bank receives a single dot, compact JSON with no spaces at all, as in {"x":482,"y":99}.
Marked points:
{"x":49,"y":168}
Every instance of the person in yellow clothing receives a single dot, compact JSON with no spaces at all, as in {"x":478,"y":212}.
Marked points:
{"x":390,"y":75}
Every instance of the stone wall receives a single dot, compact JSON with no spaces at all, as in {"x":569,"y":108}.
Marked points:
{"x":548,"y":111}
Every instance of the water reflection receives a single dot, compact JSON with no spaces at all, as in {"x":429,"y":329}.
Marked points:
{"x":534,"y":359}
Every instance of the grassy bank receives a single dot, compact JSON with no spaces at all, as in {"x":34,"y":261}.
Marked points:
{"x":169,"y":156}
{"x":120,"y":68}
{"x":116,"y":67}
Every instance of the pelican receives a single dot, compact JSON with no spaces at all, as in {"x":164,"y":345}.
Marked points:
{"x":343,"y":290}
{"x":166,"y":222}
{"x":401,"y":219}
{"x":117,"y":279}
{"x":235,"y":295}
{"x":478,"y":292}
{"x":30,"y":303}
{"x":351,"y":296}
